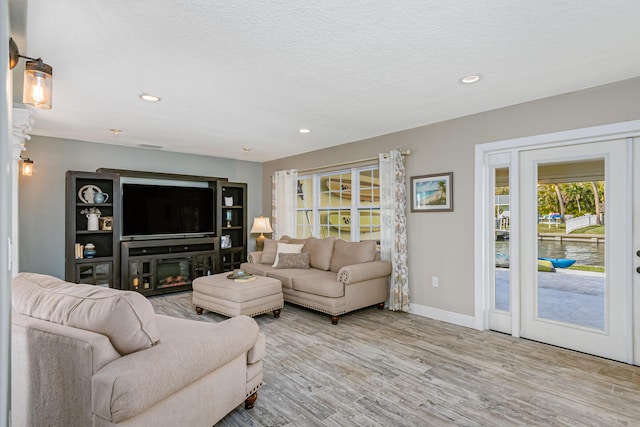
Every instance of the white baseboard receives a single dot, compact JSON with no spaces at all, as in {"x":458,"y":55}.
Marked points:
{"x":445,"y":316}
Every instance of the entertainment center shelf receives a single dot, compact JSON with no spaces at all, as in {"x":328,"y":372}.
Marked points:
{"x":102,"y":267}
{"x":149,"y":263}
{"x":154,"y":267}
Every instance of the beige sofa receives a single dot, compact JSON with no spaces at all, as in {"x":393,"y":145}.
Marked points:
{"x":330,"y":275}
{"x":84,"y":355}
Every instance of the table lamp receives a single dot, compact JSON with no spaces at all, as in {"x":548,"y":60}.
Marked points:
{"x":261,"y":225}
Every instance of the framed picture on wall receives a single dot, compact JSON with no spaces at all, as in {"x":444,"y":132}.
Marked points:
{"x":432,"y":193}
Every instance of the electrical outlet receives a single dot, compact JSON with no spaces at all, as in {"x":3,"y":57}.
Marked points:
{"x":434,"y":281}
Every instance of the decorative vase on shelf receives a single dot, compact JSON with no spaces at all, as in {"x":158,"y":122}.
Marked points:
{"x":89,"y":250}
{"x":92,"y":222}
{"x":100,"y":198}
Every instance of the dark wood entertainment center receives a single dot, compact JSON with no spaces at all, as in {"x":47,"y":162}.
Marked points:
{"x":151,"y":264}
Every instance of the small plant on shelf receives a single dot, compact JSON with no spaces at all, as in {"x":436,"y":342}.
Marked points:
{"x":91,"y":211}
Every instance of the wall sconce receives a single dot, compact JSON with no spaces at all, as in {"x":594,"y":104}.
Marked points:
{"x":261,"y":225}
{"x":27,"y":166}
{"x":38,"y":79}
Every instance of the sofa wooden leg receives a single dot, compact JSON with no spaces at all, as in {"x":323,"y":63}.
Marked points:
{"x":250,"y":401}
{"x":334,"y":320}
{"x":198,"y":310}
{"x":276,"y":313}
{"x":380,"y":306}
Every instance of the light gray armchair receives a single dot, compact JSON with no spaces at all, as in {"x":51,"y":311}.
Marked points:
{"x":84,"y":355}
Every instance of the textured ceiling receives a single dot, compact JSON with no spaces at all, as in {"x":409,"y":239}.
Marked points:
{"x":246,"y":73}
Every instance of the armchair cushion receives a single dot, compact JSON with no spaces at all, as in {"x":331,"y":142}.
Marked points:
{"x":349,"y":253}
{"x":125,"y":317}
{"x":128,"y":386}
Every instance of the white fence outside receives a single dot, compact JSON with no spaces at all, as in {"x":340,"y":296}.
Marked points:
{"x":580,"y":222}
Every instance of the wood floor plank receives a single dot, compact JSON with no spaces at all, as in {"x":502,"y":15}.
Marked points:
{"x":382,"y":368}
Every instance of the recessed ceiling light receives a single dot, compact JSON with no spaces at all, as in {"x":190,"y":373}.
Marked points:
{"x":116,"y":131}
{"x":246,"y":149}
{"x":150,"y":98}
{"x":304,"y":130}
{"x":471,"y":78}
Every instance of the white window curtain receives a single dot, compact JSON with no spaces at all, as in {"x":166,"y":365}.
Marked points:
{"x":393,"y":231}
{"x":283,"y":202}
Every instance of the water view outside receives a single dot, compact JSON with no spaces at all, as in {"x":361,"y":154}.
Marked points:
{"x":585,"y":253}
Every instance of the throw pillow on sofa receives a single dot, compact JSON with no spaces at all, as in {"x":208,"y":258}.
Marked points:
{"x":349,"y":253}
{"x":300,"y":260}
{"x":321,"y":251}
{"x":287,"y":248}
{"x":269,"y":252}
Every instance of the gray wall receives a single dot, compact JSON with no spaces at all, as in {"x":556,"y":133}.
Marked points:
{"x":441,"y":244}
{"x":42,"y":195}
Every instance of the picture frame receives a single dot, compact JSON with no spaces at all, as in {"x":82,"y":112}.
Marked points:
{"x":432,"y":193}
{"x":106,"y":223}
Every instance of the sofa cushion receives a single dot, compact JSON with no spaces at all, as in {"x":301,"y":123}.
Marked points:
{"x":125,"y":317}
{"x":300,"y":260}
{"x":321,"y":251}
{"x":284,"y":275}
{"x":287,"y":248}
{"x":349,"y":253}
{"x":269,"y":252}
{"x":318,"y":282}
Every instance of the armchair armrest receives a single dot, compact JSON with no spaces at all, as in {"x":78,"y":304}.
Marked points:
{"x":254,"y":257}
{"x":187,"y":351}
{"x":364,"y":271}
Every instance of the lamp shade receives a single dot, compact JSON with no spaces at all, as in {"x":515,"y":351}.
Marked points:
{"x":261,"y":225}
{"x":38,"y":84}
{"x":27,"y":167}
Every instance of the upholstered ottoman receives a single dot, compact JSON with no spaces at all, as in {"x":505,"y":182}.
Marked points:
{"x":221,"y":295}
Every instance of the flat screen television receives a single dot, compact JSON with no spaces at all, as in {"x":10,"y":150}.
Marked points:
{"x":164,"y":210}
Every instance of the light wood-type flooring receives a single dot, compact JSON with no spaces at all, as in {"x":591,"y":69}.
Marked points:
{"x":383,"y":368}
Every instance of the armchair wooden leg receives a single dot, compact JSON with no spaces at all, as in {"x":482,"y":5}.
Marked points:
{"x":250,"y":401}
{"x":334,"y":320}
{"x":380,"y":306}
{"x":276,"y":313}
{"x":199,"y":310}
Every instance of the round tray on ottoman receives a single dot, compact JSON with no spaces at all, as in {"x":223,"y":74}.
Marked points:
{"x":224,"y":296}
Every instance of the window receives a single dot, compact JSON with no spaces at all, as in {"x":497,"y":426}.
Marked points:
{"x":343,"y":204}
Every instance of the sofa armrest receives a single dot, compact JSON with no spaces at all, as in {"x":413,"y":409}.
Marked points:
{"x":364,"y":271}
{"x":188,"y":350}
{"x":254,"y":257}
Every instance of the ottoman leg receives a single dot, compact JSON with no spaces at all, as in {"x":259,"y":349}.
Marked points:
{"x":199,"y":310}
{"x":276,"y":313}
{"x":334,"y":320}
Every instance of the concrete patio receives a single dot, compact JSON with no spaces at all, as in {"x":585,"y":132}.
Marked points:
{"x":567,"y":296}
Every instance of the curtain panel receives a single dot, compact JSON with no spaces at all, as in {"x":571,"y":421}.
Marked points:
{"x":393,"y":231}
{"x":283,"y":202}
